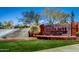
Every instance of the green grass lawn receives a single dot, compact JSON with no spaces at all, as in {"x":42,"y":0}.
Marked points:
{"x":33,"y":45}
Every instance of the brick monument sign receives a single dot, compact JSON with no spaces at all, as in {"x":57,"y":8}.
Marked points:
{"x":57,"y":29}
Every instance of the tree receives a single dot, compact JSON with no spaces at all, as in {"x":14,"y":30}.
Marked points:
{"x":72,"y":16}
{"x":37,"y":19}
{"x":30,"y":18}
{"x":1,"y":25}
{"x":48,"y":14}
{"x":55,"y":16}
{"x":64,"y":18}
{"x":8,"y":24}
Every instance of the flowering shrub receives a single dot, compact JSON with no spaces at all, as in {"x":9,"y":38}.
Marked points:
{"x":34,"y":29}
{"x":77,"y":34}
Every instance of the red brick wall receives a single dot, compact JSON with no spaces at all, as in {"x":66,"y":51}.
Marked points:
{"x":78,"y":27}
{"x":73,"y":28}
{"x":47,"y":29}
{"x":42,"y":29}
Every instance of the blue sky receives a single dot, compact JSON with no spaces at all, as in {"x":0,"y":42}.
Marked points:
{"x":10,"y":13}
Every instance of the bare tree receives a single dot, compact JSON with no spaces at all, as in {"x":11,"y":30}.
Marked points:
{"x":55,"y":16}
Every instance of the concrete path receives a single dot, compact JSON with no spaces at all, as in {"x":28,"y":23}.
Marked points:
{"x":21,"y":33}
{"x":15,"y":39}
{"x":69,"y":48}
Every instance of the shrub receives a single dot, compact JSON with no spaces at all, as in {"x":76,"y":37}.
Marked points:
{"x":34,"y":29}
{"x":77,"y":34}
{"x":17,"y":26}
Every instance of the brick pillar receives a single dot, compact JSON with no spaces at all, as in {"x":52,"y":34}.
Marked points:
{"x":73,"y":28}
{"x":42,"y":29}
{"x":78,"y":27}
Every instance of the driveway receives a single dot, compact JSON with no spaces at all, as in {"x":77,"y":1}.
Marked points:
{"x":69,"y":48}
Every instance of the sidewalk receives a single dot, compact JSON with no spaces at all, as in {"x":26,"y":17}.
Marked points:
{"x":70,"y":48}
{"x":14,"y":39}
